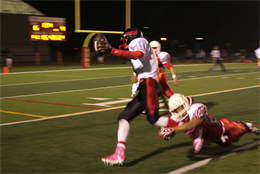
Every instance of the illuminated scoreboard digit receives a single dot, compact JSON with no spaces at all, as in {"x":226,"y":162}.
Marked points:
{"x":47,"y":28}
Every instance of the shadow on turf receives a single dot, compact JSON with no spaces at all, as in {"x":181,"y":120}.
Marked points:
{"x":154,"y":153}
{"x":210,"y":104}
{"x":210,"y":149}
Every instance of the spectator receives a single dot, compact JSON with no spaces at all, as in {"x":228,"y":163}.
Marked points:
{"x":257,"y":54}
{"x":8,"y":57}
{"x":188,"y":54}
{"x":224,"y":53}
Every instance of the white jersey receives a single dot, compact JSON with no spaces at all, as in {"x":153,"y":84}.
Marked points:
{"x":215,"y":53}
{"x":197,"y":110}
{"x":163,"y":57}
{"x":147,"y":65}
{"x":257,"y":53}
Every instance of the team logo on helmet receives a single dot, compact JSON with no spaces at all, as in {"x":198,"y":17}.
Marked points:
{"x":129,"y":35}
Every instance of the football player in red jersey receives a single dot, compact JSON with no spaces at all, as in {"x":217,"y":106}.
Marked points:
{"x":198,"y":124}
{"x":163,"y":59}
{"x":145,"y":66}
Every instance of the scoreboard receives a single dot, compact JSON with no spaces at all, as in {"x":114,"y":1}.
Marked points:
{"x":47,"y":28}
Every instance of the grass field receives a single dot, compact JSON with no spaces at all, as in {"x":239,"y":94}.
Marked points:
{"x":63,"y":119}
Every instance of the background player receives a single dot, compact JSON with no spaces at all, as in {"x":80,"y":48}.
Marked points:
{"x":216,"y":58}
{"x":197,"y":123}
{"x":257,"y":54}
{"x":145,"y":66}
{"x":164,"y":59}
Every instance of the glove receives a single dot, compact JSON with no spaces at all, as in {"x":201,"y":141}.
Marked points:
{"x":166,"y":133}
{"x":134,"y":89}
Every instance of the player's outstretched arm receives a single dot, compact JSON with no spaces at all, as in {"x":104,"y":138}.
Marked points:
{"x":188,"y":125}
{"x":174,"y":77}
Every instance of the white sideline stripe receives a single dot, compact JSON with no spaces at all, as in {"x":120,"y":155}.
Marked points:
{"x":215,"y":158}
{"x":216,"y":76}
{"x":32,"y":83}
{"x":114,"y":86}
{"x":88,"y":69}
{"x":228,"y":90}
{"x":106,"y":109}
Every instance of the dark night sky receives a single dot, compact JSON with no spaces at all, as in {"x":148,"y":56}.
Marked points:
{"x":218,"y":22}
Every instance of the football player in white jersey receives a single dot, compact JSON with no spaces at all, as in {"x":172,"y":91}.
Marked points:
{"x":257,"y":54}
{"x":198,"y":124}
{"x":145,"y":66}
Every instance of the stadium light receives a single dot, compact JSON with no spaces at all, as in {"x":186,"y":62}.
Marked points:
{"x":199,"y":38}
{"x":163,"y":38}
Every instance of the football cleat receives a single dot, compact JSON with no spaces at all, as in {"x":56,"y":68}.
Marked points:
{"x":253,"y":129}
{"x":197,"y":144}
{"x":249,"y":126}
{"x":117,"y":158}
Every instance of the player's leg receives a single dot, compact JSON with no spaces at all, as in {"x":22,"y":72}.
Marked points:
{"x":213,"y":66}
{"x":234,"y":130}
{"x":166,"y":88}
{"x":222,"y":66}
{"x":150,"y":94}
{"x":133,"y":109}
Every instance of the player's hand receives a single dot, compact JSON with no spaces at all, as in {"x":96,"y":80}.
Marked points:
{"x":104,"y":46}
{"x":133,"y":79}
{"x":166,"y":133}
{"x":176,"y":82}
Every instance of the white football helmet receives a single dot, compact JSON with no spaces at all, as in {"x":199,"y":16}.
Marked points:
{"x":177,"y":100}
{"x":157,"y":45}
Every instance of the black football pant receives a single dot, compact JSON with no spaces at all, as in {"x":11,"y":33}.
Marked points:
{"x":146,"y":99}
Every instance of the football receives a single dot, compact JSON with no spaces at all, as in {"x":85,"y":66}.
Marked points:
{"x":97,"y":41}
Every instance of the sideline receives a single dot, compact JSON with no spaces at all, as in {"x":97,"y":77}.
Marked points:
{"x":89,"y":69}
{"x":96,"y":78}
{"x":58,"y":92}
{"x":112,"y":108}
{"x":212,"y":159}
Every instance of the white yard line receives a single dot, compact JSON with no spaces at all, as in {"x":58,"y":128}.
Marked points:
{"x":107,"y":109}
{"x":96,"y":78}
{"x":58,"y":92}
{"x":215,"y":158}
